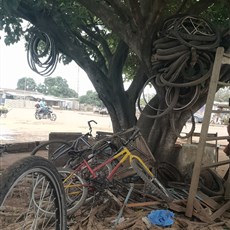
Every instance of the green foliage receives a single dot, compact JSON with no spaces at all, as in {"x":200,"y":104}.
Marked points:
{"x":26,"y":83}
{"x":88,"y":31}
{"x":56,"y":86}
{"x":218,"y":14}
{"x":131,"y":66}
{"x":91,"y":98}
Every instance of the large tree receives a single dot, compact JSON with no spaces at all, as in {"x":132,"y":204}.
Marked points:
{"x":26,"y":83}
{"x":56,"y":86}
{"x":107,"y":37}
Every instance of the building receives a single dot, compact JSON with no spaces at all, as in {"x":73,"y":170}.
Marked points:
{"x":13,"y":98}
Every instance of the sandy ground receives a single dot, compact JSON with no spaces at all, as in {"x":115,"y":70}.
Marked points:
{"x":20,"y":125}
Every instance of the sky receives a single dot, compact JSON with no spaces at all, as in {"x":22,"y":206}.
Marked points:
{"x":13,"y":66}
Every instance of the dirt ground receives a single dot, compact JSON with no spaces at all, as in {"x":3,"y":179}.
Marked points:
{"x":20,"y":125}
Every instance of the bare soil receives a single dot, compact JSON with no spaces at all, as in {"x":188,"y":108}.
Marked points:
{"x":20,"y":125}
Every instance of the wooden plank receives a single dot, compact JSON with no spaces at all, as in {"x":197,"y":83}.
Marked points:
{"x":227,"y":189}
{"x":204,"y":130}
{"x":143,"y":204}
{"x":207,"y":200}
{"x":217,"y":138}
{"x":200,"y":213}
{"x":226,"y":60}
{"x":212,"y":165}
{"x":220,"y":211}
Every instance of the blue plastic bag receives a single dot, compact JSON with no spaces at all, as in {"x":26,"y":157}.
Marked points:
{"x":161,"y":217}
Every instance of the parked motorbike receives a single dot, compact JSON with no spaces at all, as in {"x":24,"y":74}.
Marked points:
{"x":47,"y":114}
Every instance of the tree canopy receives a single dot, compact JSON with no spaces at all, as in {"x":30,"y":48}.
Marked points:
{"x":26,"y":83}
{"x":56,"y":86}
{"x":91,"y":98}
{"x":145,"y":39}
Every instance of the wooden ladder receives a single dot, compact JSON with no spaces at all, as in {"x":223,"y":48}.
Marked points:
{"x":220,"y":58}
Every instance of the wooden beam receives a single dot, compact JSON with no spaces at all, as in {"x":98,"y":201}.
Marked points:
{"x":204,"y":130}
{"x":226,"y":59}
{"x":212,"y":165}
{"x":220,"y":211}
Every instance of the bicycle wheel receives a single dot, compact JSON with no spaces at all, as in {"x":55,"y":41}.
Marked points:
{"x":152,"y":182}
{"x":53,"y":117}
{"x":24,"y":180}
{"x":49,"y":149}
{"x":75,"y":188}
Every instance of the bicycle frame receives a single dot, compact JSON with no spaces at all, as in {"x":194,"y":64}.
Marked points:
{"x":76,"y":143}
{"x":93,"y":176}
{"x":123,"y":152}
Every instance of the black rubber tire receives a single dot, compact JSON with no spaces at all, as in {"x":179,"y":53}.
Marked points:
{"x":37,"y":116}
{"x":167,"y":172}
{"x":73,"y":204}
{"x":32,"y":169}
{"x":53,"y":117}
{"x":55,"y":150}
{"x":154,"y":184}
{"x":211,"y":183}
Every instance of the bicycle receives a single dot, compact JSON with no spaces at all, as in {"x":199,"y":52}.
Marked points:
{"x":57,"y":150}
{"x":31,"y":196}
{"x":83,"y":178}
{"x":59,"y":156}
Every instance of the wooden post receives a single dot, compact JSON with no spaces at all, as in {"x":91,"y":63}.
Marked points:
{"x":204,"y":130}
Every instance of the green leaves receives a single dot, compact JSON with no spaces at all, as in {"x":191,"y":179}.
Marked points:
{"x":91,"y":98}
{"x":26,"y":83}
{"x":55,"y":86}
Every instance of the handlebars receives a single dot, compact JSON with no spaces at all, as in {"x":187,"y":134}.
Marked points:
{"x":135,"y":134}
{"x":90,"y":127}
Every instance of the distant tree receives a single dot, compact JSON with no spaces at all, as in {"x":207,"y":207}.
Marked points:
{"x":41,"y":88}
{"x":26,"y":83}
{"x":91,"y":98}
{"x":56,"y":86}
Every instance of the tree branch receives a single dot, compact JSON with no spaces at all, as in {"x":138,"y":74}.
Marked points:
{"x":136,"y":13}
{"x":138,"y":82}
{"x":117,"y":63}
{"x":106,"y":13}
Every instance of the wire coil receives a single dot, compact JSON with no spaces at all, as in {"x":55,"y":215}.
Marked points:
{"x":42,"y":54}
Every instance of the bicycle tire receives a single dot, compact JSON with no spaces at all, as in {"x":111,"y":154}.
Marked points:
{"x":50,"y":148}
{"x":154,"y":184}
{"x":74,"y":184}
{"x":211,"y":183}
{"x":53,"y":117}
{"x":18,"y":185}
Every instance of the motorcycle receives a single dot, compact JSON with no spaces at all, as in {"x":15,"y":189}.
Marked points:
{"x":47,"y":114}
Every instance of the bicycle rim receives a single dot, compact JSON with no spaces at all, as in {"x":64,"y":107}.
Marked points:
{"x":50,"y":149}
{"x":75,"y":188}
{"x":30,"y":189}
